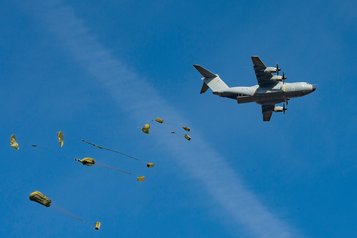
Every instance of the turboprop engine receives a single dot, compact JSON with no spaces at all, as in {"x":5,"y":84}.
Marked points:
{"x":280,"y":109}
{"x":278,"y":78}
{"x":271,"y":69}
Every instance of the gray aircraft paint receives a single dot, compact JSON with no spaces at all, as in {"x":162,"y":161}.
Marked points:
{"x":268,"y":92}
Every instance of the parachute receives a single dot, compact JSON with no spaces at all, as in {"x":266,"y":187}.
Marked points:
{"x":186,"y":128}
{"x":60,"y":137}
{"x":97,"y":225}
{"x":87,"y":161}
{"x":159,"y":120}
{"x":187,"y":137}
{"x":13,"y":142}
{"x":140,"y":178}
{"x":146,"y":128}
{"x":150,"y":165}
{"x":40,"y":198}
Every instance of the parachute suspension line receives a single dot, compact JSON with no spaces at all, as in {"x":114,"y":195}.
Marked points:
{"x":108,"y":149}
{"x":114,"y":168}
{"x":68,"y":213}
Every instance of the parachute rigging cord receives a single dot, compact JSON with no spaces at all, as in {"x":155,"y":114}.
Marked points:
{"x":68,"y":213}
{"x":96,"y":225}
{"x":108,"y":149}
{"x":114,"y":168}
{"x":87,"y":160}
{"x":40,"y":198}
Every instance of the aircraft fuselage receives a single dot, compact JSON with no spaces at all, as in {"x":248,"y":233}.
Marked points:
{"x":263,"y":95}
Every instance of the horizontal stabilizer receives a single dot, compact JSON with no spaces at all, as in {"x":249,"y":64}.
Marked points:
{"x":204,"y":88}
{"x":210,"y":80}
{"x":204,"y":72}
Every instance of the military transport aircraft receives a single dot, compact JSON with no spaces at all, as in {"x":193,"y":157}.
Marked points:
{"x":271,"y":89}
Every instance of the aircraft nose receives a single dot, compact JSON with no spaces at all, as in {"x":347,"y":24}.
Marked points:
{"x":313,"y":87}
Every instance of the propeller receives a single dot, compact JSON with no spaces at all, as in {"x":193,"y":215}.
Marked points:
{"x":283,"y":78}
{"x":277,"y":69}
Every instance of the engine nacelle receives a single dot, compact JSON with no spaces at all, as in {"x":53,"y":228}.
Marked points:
{"x":279,"y":109}
{"x":277,"y":78}
{"x":271,"y":70}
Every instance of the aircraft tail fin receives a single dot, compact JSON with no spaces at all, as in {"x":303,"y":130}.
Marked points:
{"x":204,"y":72}
{"x":210,"y":80}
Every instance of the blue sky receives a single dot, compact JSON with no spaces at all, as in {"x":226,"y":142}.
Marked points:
{"x":100,"y":70}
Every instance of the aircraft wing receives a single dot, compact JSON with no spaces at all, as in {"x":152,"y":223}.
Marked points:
{"x":267,"y":111}
{"x":262,"y":77}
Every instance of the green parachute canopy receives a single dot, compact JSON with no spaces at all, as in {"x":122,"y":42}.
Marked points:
{"x":40,"y":198}
{"x":186,"y":128}
{"x":13,"y":142}
{"x":60,"y":137}
{"x":159,"y":120}
{"x":146,"y":128}
{"x":87,"y":161}
{"x":97,"y":225}
{"x":140,"y":178}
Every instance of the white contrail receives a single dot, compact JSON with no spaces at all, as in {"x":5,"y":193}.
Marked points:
{"x":238,"y":204}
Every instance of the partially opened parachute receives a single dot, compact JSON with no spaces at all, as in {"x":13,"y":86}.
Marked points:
{"x":186,"y":128}
{"x":159,"y":120}
{"x":146,"y":128}
{"x":40,"y":198}
{"x":13,"y":142}
{"x":97,"y":225}
{"x":60,"y":137}
{"x":140,"y":178}
{"x":87,"y":161}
